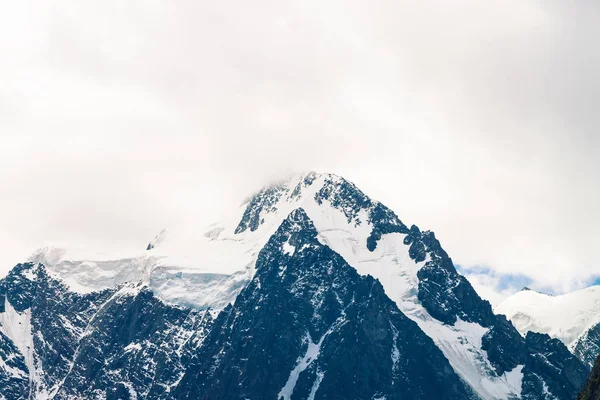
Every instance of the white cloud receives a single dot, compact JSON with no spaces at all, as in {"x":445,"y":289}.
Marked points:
{"x":476,"y":121}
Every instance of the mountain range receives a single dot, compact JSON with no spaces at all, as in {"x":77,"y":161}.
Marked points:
{"x":311,"y":290}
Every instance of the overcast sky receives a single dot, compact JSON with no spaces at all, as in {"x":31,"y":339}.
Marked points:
{"x":477,"y":120}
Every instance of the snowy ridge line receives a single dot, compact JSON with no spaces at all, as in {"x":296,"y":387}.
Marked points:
{"x":392,"y":265}
{"x":565,"y":317}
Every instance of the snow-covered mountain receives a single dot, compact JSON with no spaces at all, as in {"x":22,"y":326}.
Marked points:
{"x":574,"y":318}
{"x":312,"y":290}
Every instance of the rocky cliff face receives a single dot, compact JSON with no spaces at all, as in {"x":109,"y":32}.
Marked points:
{"x":64,"y":345}
{"x":318,"y":327}
{"x":587,"y":346}
{"x":591,"y":390}
{"x":338,"y":299}
{"x":551,"y":371}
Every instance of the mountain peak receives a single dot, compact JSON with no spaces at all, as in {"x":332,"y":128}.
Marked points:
{"x":287,"y":183}
{"x":528,"y":289}
{"x":280,"y":198}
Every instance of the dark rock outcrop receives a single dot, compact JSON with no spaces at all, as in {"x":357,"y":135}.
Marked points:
{"x":551,"y":371}
{"x":591,"y":390}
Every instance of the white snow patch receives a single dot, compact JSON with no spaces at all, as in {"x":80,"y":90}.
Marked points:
{"x":132,"y":393}
{"x":316,"y":384}
{"x":304,"y":362}
{"x":461,"y":344}
{"x":545,"y":389}
{"x":132,"y":347}
{"x":173,"y":284}
{"x":288,"y":249}
{"x":189,"y":287}
{"x":312,"y":353}
{"x":69,"y":326}
{"x":17,"y":327}
{"x":514,"y":379}
{"x":395,"y":352}
{"x":29,"y":274}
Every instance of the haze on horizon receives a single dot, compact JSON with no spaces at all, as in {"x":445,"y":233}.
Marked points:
{"x":477,"y":121}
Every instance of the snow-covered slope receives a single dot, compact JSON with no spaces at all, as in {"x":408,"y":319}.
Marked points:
{"x":573,"y":318}
{"x":565,"y":317}
{"x":17,"y":327}
{"x":194,"y":267}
